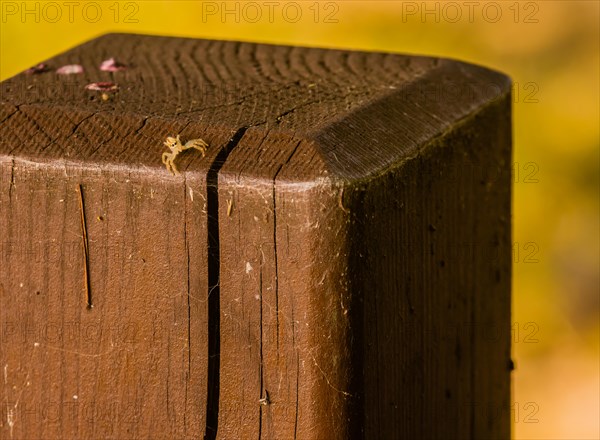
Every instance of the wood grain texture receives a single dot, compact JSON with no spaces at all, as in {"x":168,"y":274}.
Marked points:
{"x":337,"y":266}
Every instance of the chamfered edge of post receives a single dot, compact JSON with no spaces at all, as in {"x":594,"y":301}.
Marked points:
{"x":399,"y":126}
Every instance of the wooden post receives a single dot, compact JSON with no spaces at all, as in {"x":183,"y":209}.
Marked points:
{"x":337,"y":266}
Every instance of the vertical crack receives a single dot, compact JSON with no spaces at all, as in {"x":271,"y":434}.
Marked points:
{"x":189,"y":324}
{"x":275,"y":255}
{"x":275,"y":242}
{"x":297,"y":397}
{"x":261,"y":355}
{"x":277,"y":289}
{"x":12,"y":179}
{"x":214,"y":303}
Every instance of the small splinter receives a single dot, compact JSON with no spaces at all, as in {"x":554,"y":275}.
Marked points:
{"x":229,"y":207}
{"x":176,"y":147}
{"x":86,"y":250}
{"x":265,"y":400}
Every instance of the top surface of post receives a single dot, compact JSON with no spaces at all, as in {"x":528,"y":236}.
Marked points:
{"x":358,"y":113}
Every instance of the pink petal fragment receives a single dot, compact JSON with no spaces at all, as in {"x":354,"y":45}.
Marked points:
{"x":102,"y":86}
{"x":112,"y":65}
{"x":40,"y":68}
{"x":69,"y":69}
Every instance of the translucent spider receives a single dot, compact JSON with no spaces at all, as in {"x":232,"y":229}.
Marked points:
{"x":176,"y":147}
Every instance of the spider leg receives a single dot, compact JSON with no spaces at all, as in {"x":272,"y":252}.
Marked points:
{"x":197,"y":144}
{"x":174,"y":169}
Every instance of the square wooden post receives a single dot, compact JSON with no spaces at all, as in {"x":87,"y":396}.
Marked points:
{"x":337,"y":266}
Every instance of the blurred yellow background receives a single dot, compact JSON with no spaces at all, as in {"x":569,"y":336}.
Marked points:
{"x":549,"y":48}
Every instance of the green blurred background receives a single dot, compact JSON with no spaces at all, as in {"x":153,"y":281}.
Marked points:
{"x":549,"y":48}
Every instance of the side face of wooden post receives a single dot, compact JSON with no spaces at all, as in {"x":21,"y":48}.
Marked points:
{"x":337,"y":266}
{"x":432,"y":261}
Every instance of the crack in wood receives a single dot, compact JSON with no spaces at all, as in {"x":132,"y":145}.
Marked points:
{"x":262,"y":379}
{"x":12,"y":179}
{"x":275,"y":241}
{"x":214,"y":262}
{"x":189,"y":314}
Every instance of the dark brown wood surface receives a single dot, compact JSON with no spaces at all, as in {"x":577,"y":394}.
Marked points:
{"x":337,"y":266}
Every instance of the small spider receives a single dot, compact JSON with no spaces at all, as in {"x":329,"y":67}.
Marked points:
{"x":176,"y":147}
{"x":265,"y":400}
